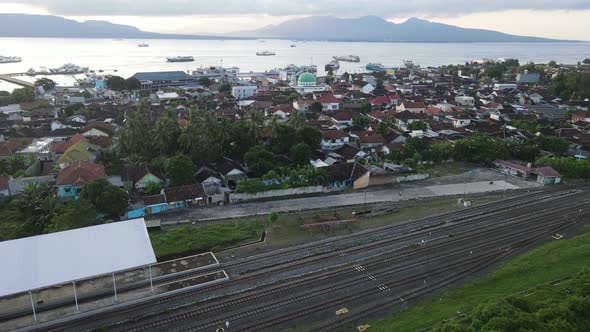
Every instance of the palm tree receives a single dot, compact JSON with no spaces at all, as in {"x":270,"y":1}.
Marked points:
{"x":255,"y":121}
{"x":274,"y":125}
{"x":296,"y":119}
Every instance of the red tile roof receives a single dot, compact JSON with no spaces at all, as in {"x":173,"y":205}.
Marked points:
{"x":548,"y":171}
{"x":372,"y":139}
{"x":333,"y":134}
{"x":343,"y":116}
{"x":3,"y":182}
{"x":9,"y":147}
{"x":328,"y":98}
{"x":411,"y":104}
{"x":80,"y":173}
{"x":62,"y":147}
{"x":512,"y":165}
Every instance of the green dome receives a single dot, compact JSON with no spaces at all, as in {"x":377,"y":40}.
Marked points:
{"x":306,"y":79}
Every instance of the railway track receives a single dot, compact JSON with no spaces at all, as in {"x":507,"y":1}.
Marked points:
{"x":498,"y":211}
{"x":323,"y":246}
{"x":366,"y":267}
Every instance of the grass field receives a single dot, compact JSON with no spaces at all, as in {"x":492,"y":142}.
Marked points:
{"x":187,"y":240}
{"x":552,"y":261}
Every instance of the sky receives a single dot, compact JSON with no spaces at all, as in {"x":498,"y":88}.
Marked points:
{"x":564,"y":19}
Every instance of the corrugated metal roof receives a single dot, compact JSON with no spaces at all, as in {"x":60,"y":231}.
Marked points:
{"x":50,"y":259}
{"x":162,"y":76}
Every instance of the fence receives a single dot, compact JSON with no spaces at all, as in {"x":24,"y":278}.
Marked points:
{"x":235,"y":198}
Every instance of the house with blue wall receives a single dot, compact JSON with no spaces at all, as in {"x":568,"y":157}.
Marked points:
{"x":71,"y":179}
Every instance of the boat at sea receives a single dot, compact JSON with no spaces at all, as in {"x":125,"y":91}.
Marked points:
{"x":266,"y":53}
{"x":68,"y":68}
{"x":348,"y":58}
{"x":373,"y":66}
{"x":10,"y":59}
{"x":214,"y":70}
{"x":332,"y":65}
{"x":293,"y":45}
{"x":180,"y":59}
{"x":143,"y":45}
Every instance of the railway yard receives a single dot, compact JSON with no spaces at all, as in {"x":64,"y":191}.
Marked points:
{"x":342,"y":282}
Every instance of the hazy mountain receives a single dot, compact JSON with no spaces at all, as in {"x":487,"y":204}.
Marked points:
{"x":21,"y":25}
{"x":373,"y":28}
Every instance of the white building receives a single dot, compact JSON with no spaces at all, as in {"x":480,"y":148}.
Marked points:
{"x":244,"y":91}
{"x":465,"y":101}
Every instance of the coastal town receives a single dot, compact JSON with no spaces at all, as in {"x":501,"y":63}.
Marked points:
{"x":172,"y":140}
{"x":211,"y":159}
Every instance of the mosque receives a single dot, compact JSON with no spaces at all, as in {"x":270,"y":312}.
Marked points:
{"x":307,"y":83}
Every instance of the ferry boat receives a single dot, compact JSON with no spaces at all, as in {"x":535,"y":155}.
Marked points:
{"x":372,"y":66}
{"x":213,"y":70}
{"x":266,"y":53}
{"x":180,"y":59}
{"x":332,"y":65}
{"x":68,"y":68}
{"x":10,"y":59}
{"x":348,"y":58}
{"x":143,"y":45}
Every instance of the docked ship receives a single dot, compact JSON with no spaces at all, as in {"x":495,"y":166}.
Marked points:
{"x":265,"y":53}
{"x":180,"y":59}
{"x":332,"y":65}
{"x":143,"y":45}
{"x":68,"y":68}
{"x":214,"y":70}
{"x":10,"y":59}
{"x":372,"y":66}
{"x":348,"y":58}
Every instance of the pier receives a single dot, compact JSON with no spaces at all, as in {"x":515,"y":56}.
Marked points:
{"x":14,"y":80}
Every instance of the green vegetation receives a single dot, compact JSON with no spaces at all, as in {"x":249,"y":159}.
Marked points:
{"x":260,"y":161}
{"x":195,"y":239}
{"x":180,"y":170}
{"x":46,"y":83}
{"x":572,"y":85}
{"x":107,"y":198}
{"x":118,"y":83}
{"x":225,"y":88}
{"x":417,"y":125}
{"x":570,"y":167}
{"x":550,"y":262}
{"x":18,"y":96}
{"x":562,"y":307}
{"x":37,"y":211}
{"x":300,"y":154}
{"x":283,"y":178}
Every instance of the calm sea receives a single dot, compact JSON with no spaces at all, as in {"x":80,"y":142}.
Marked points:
{"x":127,"y":58}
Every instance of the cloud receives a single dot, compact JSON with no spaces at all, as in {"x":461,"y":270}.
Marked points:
{"x":342,"y":8}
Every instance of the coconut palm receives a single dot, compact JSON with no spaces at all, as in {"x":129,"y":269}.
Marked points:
{"x":296,"y":119}
{"x":255,"y":121}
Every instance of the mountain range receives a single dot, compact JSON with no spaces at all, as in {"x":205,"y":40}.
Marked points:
{"x":368,"y":28}
{"x":48,"y":26}
{"x":373,"y":28}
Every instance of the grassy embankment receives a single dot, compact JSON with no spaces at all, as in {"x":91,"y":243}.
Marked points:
{"x":531,"y":270}
{"x":188,"y":240}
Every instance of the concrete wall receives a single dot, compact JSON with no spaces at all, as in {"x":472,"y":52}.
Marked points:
{"x":363,"y":181}
{"x":413,"y":177}
{"x":235,"y":198}
{"x":18,"y":185}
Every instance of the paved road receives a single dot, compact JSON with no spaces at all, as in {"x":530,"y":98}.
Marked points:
{"x":476,"y":182}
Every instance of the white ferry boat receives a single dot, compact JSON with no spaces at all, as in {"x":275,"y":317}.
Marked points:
{"x":265,"y":53}
{"x":10,"y":59}
{"x":348,"y":58}
{"x":180,"y":59}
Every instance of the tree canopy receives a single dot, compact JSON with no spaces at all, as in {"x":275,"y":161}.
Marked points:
{"x":259,"y":160}
{"x":180,"y":169}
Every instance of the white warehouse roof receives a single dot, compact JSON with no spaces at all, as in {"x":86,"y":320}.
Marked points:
{"x":56,"y":258}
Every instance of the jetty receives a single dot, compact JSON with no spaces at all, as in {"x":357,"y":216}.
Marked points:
{"x":14,"y":80}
